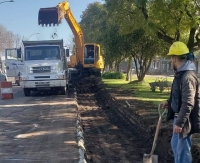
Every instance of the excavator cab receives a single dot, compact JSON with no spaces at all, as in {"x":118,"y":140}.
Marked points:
{"x":49,"y":16}
{"x":92,"y":56}
{"x":89,"y":54}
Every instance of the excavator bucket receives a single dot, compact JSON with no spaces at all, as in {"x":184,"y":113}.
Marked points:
{"x":48,"y":16}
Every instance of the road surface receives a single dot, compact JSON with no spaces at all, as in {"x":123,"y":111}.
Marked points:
{"x":39,"y":129}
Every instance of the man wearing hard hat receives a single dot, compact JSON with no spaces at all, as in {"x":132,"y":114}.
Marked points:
{"x":183,"y":104}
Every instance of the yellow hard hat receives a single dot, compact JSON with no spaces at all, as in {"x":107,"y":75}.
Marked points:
{"x":178,"y":48}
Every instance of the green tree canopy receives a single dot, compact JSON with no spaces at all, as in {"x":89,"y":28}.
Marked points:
{"x":169,"y":20}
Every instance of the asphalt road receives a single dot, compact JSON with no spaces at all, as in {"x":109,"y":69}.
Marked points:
{"x":40,"y":129}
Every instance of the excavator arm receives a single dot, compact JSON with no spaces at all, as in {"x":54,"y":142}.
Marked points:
{"x":54,"y":15}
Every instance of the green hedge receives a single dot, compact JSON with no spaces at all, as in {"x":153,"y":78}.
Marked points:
{"x":113,"y":75}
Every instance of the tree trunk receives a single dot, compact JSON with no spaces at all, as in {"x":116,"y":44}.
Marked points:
{"x":128,"y":68}
{"x":117,"y":68}
{"x":144,"y":63}
{"x":117,"y":63}
{"x":190,"y":43}
{"x":136,"y":65}
{"x":145,"y":67}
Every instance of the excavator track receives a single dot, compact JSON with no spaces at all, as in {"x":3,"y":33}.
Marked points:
{"x":85,"y":80}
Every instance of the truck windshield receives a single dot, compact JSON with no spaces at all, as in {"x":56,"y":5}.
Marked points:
{"x":42,"y":53}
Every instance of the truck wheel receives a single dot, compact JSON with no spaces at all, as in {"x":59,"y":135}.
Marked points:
{"x":27,"y":92}
{"x":63,"y":91}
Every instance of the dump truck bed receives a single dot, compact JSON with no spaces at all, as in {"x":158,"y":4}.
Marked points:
{"x":43,"y":42}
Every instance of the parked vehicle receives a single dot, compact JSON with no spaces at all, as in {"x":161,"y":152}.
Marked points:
{"x":13,"y":64}
{"x":42,"y":65}
{"x":3,"y":76}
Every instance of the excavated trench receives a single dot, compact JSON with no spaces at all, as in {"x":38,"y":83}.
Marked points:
{"x":114,"y":132}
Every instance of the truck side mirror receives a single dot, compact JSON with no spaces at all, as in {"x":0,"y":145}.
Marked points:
{"x":19,"y":53}
{"x":67,"y":52}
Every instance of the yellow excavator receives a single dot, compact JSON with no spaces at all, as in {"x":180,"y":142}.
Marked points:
{"x":87,"y":59}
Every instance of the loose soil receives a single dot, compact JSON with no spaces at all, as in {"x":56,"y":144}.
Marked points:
{"x":118,"y":133}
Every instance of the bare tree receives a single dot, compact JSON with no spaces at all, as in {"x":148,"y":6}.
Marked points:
{"x":8,"y":39}
{"x":5,"y":38}
{"x":17,"y":40}
{"x":70,"y":43}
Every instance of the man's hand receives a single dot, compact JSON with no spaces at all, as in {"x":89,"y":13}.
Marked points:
{"x":164,"y":105}
{"x":177,"y":129}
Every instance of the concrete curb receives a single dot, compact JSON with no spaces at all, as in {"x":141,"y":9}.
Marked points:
{"x":80,"y":137}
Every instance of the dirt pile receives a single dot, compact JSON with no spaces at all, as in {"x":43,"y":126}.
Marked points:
{"x":145,"y":119}
{"x":118,"y":128}
{"x":144,"y":123}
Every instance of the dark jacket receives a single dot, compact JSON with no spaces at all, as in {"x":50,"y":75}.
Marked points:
{"x":184,"y":98}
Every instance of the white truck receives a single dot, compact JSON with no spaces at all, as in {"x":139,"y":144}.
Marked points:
{"x":44,"y":67}
{"x":13,"y":64}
